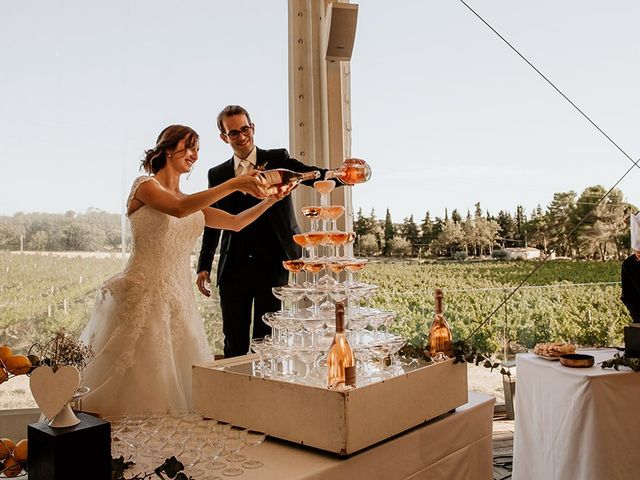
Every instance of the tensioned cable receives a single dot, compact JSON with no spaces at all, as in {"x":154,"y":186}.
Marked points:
{"x":635,"y":164}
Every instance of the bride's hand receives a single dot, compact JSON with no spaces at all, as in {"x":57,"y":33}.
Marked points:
{"x":281,"y":193}
{"x":251,"y":184}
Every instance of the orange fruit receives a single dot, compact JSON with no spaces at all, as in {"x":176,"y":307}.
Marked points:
{"x":18,"y":364}
{"x":6,"y":447}
{"x":12,"y":467}
{"x":4,"y":376}
{"x":5,"y":352}
{"x":20,"y":452}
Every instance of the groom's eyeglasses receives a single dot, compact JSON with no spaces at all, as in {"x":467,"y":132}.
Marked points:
{"x":234,"y":134}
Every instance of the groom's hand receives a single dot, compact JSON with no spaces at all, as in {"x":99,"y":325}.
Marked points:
{"x":203,"y":277}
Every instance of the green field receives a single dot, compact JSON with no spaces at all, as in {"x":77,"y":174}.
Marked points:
{"x":563,"y":300}
{"x":571,"y":300}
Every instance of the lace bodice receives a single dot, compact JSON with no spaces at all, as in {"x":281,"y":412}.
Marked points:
{"x":162,"y":244}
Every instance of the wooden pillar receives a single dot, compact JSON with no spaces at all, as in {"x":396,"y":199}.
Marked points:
{"x":319,"y":100}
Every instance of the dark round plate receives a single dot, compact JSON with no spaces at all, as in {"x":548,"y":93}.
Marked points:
{"x":577,"y":360}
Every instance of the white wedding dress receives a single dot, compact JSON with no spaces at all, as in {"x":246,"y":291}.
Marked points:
{"x":145,"y":328}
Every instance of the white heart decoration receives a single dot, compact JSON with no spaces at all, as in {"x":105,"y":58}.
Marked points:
{"x":53,"y":391}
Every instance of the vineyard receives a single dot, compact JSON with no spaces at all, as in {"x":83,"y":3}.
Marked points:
{"x":571,"y":300}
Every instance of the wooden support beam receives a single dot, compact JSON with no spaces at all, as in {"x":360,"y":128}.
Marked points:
{"x":319,"y":90}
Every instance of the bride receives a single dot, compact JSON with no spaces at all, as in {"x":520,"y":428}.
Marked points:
{"x":145,"y":328}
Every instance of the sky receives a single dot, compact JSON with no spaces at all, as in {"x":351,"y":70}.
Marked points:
{"x":446,"y":114}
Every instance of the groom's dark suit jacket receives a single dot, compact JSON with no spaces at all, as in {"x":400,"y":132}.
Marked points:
{"x":268,"y":240}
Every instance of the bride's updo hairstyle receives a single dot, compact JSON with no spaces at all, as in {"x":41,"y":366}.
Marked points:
{"x":156,"y":158}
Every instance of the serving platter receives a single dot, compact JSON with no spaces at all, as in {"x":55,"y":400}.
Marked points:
{"x":546,"y":357}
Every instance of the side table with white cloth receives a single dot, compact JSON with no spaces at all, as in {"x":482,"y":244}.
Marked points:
{"x":576,"y":423}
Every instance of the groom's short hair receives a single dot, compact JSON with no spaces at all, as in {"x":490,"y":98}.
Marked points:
{"x":229,"y":111}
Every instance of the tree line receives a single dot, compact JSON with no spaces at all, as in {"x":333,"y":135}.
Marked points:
{"x":584,"y":226}
{"x":571,"y":225}
{"x":94,"y":230}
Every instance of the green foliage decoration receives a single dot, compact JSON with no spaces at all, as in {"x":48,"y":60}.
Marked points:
{"x":620,"y":360}
{"x":171,"y":467}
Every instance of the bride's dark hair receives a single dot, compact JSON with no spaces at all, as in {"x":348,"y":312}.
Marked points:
{"x":156,"y":158}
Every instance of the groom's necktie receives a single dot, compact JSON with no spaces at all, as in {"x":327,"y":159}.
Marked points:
{"x":244,"y":167}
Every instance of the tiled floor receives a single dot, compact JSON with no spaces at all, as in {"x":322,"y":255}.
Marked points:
{"x":502,"y":447}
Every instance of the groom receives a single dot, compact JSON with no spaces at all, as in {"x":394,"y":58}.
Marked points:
{"x":250,"y":262}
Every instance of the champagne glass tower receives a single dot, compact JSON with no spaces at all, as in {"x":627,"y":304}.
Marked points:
{"x":330,"y":250}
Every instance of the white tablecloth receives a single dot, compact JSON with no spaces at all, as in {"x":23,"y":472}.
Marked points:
{"x":458,"y":446}
{"x":576,"y":423}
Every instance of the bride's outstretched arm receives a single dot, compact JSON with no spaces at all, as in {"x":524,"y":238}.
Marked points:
{"x":216,"y":218}
{"x":163,"y":200}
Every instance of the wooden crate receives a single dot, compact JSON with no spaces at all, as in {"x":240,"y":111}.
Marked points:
{"x":339,"y":422}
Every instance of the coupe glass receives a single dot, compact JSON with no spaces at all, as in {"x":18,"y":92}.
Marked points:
{"x":363,"y":357}
{"x":192,"y":455}
{"x":314,"y":268}
{"x":295,"y":295}
{"x":313,"y":325}
{"x":315,"y":239}
{"x":375,"y":321}
{"x":253,"y":438}
{"x":336,"y":267}
{"x":308,"y":356}
{"x":395,"y":342}
{"x":293,"y":267}
{"x":154,"y":448}
{"x":190,"y":420}
{"x":301,"y":239}
{"x":315,"y":296}
{"x":312,"y":213}
{"x":331,"y":213}
{"x":213,"y":450}
{"x":379,"y":351}
{"x":353,"y":266}
{"x":258,"y":346}
{"x":234,"y":443}
{"x":336,"y":239}
{"x":281,"y":294}
{"x":271,"y":319}
{"x":324,"y":188}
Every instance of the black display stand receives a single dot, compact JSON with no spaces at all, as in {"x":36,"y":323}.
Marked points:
{"x":632,"y":341}
{"x":81,"y":452}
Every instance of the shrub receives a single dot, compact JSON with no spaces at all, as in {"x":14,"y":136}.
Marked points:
{"x":499,"y":254}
